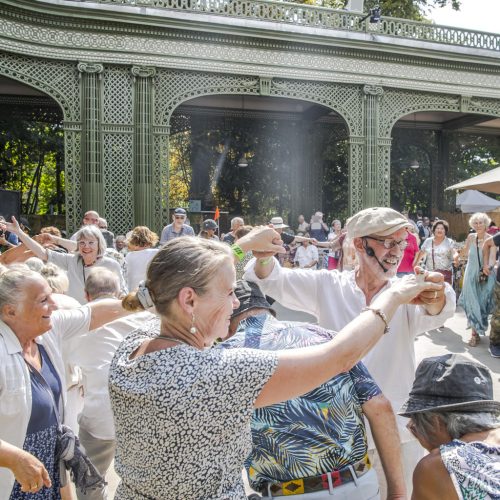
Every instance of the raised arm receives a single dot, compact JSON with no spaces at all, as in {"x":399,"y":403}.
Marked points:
{"x":301,"y":370}
{"x":30,"y":243}
{"x":104,"y":311}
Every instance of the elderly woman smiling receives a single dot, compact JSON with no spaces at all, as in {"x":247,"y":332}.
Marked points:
{"x":89,"y":254}
{"x":32,"y":385}
{"x":182,"y":410}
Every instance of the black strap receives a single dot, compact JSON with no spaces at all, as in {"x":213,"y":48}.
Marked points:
{"x":477,"y":250}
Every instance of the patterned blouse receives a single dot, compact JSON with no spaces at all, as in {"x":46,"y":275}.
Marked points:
{"x":182,"y":418}
{"x":318,"y":432}
{"x":474,"y":469}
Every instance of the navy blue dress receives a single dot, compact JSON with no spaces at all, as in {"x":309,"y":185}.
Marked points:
{"x":41,"y":434}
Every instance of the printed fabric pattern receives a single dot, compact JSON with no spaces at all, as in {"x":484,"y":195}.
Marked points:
{"x":182,"y":418}
{"x":474,"y":469}
{"x":318,"y":432}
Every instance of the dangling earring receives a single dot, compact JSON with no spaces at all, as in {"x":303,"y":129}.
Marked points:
{"x":193,"y":329}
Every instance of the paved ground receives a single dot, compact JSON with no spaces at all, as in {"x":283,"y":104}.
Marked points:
{"x":452,"y":338}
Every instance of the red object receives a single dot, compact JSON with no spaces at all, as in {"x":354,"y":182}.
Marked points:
{"x":411,"y":250}
{"x":217,"y":213}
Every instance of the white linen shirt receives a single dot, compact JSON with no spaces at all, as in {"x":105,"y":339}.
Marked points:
{"x":335,"y":299}
{"x":137,"y":263}
{"x":305,"y":255}
{"x":15,"y":382}
{"x":94,"y":353}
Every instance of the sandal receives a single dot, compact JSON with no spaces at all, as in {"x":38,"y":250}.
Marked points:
{"x":474,"y":340}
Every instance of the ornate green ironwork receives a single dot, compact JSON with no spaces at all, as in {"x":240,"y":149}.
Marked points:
{"x":319,"y":17}
{"x":119,"y":83}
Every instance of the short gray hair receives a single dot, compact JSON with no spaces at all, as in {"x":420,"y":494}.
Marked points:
{"x":56,"y":277}
{"x":457,"y":424}
{"x":35,"y":264}
{"x":479,"y":216}
{"x":101,"y":281}
{"x":13,"y":284}
{"x":92,"y":231}
{"x":237,"y":220}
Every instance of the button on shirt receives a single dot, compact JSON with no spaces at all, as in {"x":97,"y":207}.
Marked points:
{"x":335,"y":299}
{"x":318,"y":432}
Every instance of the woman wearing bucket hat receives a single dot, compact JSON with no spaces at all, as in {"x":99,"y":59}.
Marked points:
{"x":454,"y":416}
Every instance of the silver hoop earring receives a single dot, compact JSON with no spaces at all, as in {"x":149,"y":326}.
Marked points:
{"x":192,"y":330}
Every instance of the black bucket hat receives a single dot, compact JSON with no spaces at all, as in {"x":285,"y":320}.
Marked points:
{"x":250,"y":297}
{"x":450,"y":383}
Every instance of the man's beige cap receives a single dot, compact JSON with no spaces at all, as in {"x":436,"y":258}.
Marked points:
{"x":376,"y":220}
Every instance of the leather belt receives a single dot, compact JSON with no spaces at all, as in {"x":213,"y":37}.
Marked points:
{"x":322,"y":482}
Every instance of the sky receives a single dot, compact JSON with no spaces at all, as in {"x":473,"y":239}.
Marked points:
{"x":481,"y":15}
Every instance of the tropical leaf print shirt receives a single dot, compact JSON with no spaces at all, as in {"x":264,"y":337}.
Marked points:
{"x":318,"y":432}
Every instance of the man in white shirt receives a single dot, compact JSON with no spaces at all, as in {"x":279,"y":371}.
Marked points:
{"x":336,"y":298}
{"x":94,"y":354}
{"x":306,"y":255}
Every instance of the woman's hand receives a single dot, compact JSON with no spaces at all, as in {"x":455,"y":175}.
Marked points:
{"x":12,"y":227}
{"x":29,"y":472}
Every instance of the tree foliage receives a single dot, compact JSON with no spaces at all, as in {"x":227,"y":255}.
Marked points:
{"x":416,"y":10}
{"x":31,"y":158}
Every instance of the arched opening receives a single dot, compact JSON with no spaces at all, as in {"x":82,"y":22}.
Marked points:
{"x":296,"y":154}
{"x":448,"y":147}
{"x":32,"y":150}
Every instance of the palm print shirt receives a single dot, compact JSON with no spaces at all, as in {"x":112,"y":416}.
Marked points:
{"x":318,"y":432}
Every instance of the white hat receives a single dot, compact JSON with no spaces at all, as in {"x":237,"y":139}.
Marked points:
{"x":382,"y":221}
{"x":319,"y":214}
{"x":277,"y":222}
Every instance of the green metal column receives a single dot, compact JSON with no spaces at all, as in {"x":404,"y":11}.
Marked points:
{"x":91,"y":153}
{"x":143,"y":145}
{"x":356,"y":173}
{"x":371,"y":195}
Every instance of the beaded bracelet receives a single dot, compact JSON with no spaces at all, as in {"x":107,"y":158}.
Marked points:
{"x":381,"y":315}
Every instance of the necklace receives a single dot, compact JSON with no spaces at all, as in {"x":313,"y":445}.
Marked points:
{"x":165,"y":337}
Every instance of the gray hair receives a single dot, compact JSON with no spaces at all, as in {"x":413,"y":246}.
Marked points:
{"x":477,"y":217}
{"x":237,"y":220}
{"x":56,"y":277}
{"x":34,"y":263}
{"x":92,"y":231}
{"x":101,"y":281}
{"x":457,"y":424}
{"x":13,"y":284}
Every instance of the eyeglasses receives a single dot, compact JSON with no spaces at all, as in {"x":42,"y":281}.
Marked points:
{"x":402,"y":244}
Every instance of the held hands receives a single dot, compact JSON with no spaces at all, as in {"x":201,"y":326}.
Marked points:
{"x":263,"y":241}
{"x":423,"y":288}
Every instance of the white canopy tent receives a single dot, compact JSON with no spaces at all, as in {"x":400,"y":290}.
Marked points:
{"x":471,"y":201}
{"x":489,"y":182}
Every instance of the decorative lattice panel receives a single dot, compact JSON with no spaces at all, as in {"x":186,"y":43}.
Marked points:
{"x":117,"y":95}
{"x":398,"y":103}
{"x":57,"y":79}
{"x":356,"y":169}
{"x":118,"y":181}
{"x":72,"y":152}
